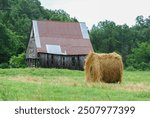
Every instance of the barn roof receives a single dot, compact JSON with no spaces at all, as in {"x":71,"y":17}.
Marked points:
{"x":69,"y":38}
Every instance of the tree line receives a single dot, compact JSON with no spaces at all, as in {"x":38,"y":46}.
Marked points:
{"x":133,"y":43}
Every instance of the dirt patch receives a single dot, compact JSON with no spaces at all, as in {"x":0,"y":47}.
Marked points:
{"x":26,"y":79}
{"x":140,"y":87}
{"x":52,"y":81}
{"x":66,"y":81}
{"x":135,"y":87}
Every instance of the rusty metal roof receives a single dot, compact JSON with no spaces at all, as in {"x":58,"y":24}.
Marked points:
{"x":69,"y":38}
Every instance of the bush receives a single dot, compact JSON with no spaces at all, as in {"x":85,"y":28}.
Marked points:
{"x":140,"y":57}
{"x":18,"y":61}
{"x":4,"y":65}
{"x":144,"y":66}
{"x":130,"y":68}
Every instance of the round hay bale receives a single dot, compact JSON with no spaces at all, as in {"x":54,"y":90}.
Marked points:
{"x":104,"y":67}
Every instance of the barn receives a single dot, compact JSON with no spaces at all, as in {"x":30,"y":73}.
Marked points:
{"x":55,"y":44}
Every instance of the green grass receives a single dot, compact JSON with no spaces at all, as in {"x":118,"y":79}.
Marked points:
{"x":68,"y":85}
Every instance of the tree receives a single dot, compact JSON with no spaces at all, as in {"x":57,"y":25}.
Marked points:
{"x":60,"y":15}
{"x":4,"y":4}
{"x":102,"y":36}
{"x":9,"y":43}
{"x":140,"y":57}
{"x":109,"y":37}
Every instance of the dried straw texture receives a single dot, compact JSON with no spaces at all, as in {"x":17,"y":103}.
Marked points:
{"x":103,"y":67}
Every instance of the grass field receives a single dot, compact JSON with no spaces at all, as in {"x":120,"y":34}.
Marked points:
{"x":67,"y":85}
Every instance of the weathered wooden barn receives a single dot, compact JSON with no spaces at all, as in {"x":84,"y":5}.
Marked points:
{"x":58,"y":44}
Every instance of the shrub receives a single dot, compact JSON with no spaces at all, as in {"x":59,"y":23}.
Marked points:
{"x":4,"y":65}
{"x":140,"y":57}
{"x":130,"y":68}
{"x":18,"y":61}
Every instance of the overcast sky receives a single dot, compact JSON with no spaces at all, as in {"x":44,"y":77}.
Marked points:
{"x":93,"y":11}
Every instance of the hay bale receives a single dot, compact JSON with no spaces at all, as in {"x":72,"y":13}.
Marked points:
{"x":105,"y":67}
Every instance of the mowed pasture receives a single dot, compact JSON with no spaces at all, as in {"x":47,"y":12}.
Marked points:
{"x":69,"y":85}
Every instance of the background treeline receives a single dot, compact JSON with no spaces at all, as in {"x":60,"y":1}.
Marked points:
{"x":133,"y":43}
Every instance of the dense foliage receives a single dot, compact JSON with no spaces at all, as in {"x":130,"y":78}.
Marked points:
{"x":133,"y":43}
{"x":18,"y":61}
{"x":140,"y":58}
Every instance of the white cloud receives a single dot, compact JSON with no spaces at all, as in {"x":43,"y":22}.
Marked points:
{"x":93,"y":11}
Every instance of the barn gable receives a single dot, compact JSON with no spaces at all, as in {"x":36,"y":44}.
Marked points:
{"x":31,"y":50}
{"x":69,"y":41}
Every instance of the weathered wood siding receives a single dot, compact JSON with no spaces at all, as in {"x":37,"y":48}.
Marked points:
{"x":32,"y":62}
{"x":31,"y":49}
{"x":31,"y":54}
{"x":46,"y":60}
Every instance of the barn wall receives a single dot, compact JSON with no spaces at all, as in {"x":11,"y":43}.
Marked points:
{"x":32,"y":62}
{"x":81,"y":61}
{"x":31,"y":49}
{"x":46,"y":60}
{"x":75,"y":62}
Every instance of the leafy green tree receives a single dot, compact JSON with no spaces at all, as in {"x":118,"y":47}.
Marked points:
{"x":8,"y":43}
{"x":4,"y":4}
{"x":140,"y":57}
{"x":102,"y":36}
{"x":60,"y":15}
{"x":109,"y":37}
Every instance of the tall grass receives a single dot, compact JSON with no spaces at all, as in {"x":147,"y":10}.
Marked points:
{"x":62,"y":84}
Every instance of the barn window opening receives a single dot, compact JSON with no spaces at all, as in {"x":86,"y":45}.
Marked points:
{"x":78,"y":61}
{"x":52,"y":59}
{"x":73,"y":61}
{"x":63,"y":61}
